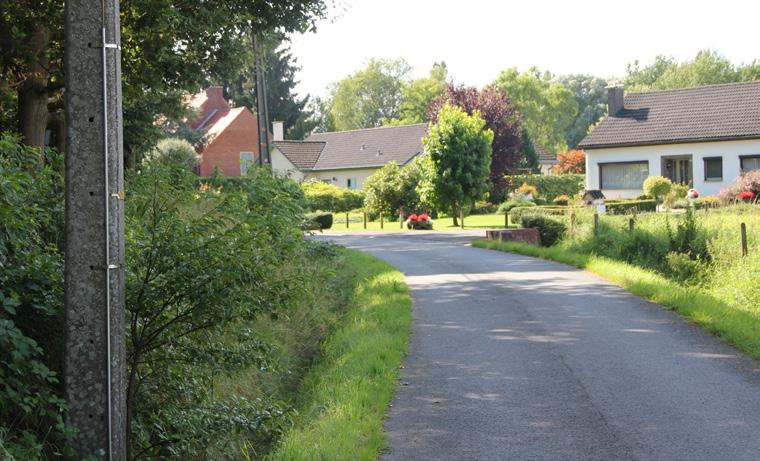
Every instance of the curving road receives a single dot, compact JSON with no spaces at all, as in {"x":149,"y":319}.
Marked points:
{"x":515,"y":358}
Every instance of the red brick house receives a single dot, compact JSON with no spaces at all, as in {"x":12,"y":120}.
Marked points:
{"x":231,"y":134}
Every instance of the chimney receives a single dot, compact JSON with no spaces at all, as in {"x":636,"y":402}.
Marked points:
{"x":278,"y":131}
{"x":215,"y":92}
{"x":614,"y":99}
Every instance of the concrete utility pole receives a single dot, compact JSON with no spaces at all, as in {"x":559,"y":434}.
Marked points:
{"x":94,"y":274}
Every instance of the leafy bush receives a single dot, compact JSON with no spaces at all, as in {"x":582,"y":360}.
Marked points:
{"x":707,"y":202}
{"x":570,"y":162}
{"x":174,"y":151}
{"x":561,"y":200}
{"x":392,"y":187}
{"x":321,"y":196}
{"x":323,"y":220}
{"x":678,"y":192}
{"x":507,"y":206}
{"x":31,"y":303}
{"x":657,"y":186}
{"x":550,"y":186}
{"x":483,"y":207}
{"x":747,"y":182}
{"x":516,"y":210}
{"x":550,"y":229}
{"x":527,"y":189}
{"x":630,"y":206}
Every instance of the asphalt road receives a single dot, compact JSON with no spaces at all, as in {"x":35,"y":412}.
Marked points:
{"x":515,"y":358}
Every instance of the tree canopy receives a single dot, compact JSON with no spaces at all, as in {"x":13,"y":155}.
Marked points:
{"x":590,"y":95}
{"x":547,"y":108}
{"x":369,"y":97}
{"x":459,"y":148}
{"x":500,"y":116}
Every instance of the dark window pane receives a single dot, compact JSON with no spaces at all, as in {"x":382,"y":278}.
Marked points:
{"x":714,"y":168}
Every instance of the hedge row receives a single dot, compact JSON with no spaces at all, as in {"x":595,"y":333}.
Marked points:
{"x":549,"y":187}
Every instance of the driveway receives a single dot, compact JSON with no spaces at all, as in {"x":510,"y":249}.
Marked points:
{"x":515,"y":358}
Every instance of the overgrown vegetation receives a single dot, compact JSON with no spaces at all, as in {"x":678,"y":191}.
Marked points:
{"x":345,"y":397}
{"x":220,"y":286}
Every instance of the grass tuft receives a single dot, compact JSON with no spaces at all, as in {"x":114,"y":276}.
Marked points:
{"x":345,"y":396}
{"x":737,"y":326}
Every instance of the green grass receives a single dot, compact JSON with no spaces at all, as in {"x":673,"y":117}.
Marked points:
{"x":723,"y":318}
{"x":346,"y":394}
{"x":356,"y":222}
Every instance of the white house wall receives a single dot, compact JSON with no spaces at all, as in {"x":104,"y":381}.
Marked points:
{"x":729,"y":150}
{"x":282,"y":165}
{"x":340,"y":177}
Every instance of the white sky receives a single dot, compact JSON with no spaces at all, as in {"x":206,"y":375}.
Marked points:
{"x":478,"y":38}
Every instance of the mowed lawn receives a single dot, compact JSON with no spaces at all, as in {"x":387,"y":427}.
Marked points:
{"x":356,"y":223}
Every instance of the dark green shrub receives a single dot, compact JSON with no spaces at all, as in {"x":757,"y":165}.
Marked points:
{"x":507,"y":206}
{"x":550,"y":229}
{"x":324,"y":220}
{"x":630,"y":206}
{"x":31,"y":303}
{"x":549,"y":186}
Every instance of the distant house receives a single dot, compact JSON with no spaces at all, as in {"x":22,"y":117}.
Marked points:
{"x":545,"y":160}
{"x":701,"y":136}
{"x":231,"y":134}
{"x":347,"y":158}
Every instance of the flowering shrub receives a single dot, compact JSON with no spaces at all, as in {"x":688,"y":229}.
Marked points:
{"x":419,"y":221}
{"x":746,"y":196}
{"x":527,"y":189}
{"x":747,"y":182}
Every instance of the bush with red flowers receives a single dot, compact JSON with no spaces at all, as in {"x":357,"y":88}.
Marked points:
{"x":746,"y":196}
{"x":419,"y":221}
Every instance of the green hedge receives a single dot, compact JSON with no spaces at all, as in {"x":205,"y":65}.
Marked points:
{"x":550,"y":229}
{"x":549,"y":186}
{"x":630,"y":206}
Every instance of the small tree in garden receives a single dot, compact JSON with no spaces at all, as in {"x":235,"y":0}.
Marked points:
{"x":459,"y":146}
{"x":657,"y":186}
{"x":174,"y":151}
{"x":570,"y":162}
{"x":500,"y":115}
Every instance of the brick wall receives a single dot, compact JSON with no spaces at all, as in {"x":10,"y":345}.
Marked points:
{"x":241,"y":135}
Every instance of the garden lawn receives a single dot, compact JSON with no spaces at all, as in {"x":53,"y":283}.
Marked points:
{"x":356,"y":222}
{"x":720,"y":315}
{"x":345,"y":396}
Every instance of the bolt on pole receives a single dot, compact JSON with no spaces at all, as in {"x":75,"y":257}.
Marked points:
{"x":94,"y":360}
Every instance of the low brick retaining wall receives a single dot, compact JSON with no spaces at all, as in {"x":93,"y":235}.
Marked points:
{"x":530,"y":236}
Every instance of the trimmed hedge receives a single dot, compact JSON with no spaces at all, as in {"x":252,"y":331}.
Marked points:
{"x":550,"y":229}
{"x":549,"y":186}
{"x":630,"y":206}
{"x":321,"y":220}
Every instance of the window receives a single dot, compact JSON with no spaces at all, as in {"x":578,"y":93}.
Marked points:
{"x":713,"y":168}
{"x":246,"y":160}
{"x":351,"y":183}
{"x":623,"y":175}
{"x":749,"y":162}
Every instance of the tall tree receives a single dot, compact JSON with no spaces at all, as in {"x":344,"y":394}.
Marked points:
{"x":280,"y":68}
{"x":370,"y":97}
{"x":459,"y":146}
{"x":500,"y":116}
{"x":168,"y":48}
{"x":708,"y":67}
{"x":546,"y":106}
{"x":590,"y":95}
{"x":417,"y":95}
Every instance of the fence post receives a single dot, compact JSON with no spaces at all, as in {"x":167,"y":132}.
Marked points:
{"x":630,"y":224}
{"x":346,"y":220}
{"x":365,"y":220}
{"x":381,"y":221}
{"x":506,"y":220}
{"x":400,"y":219}
{"x":461,"y":217}
{"x":596,"y":223}
{"x":743,"y":232}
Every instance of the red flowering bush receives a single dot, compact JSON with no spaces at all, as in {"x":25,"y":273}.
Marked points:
{"x":747,"y":182}
{"x":746,"y":196}
{"x":420,"y":221}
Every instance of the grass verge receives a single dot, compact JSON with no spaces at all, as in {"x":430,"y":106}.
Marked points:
{"x":736,"y":326}
{"x":346,"y":394}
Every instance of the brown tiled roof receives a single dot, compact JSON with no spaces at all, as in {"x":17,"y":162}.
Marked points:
{"x":302,"y":154}
{"x":544,"y":157}
{"x":370,"y":147}
{"x":708,"y":113}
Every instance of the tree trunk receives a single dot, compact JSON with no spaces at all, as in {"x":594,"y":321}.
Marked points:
{"x":32,"y":93}
{"x":455,"y":215}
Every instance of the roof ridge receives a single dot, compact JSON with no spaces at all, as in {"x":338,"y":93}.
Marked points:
{"x":693,"y":88}
{"x":370,"y":129}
